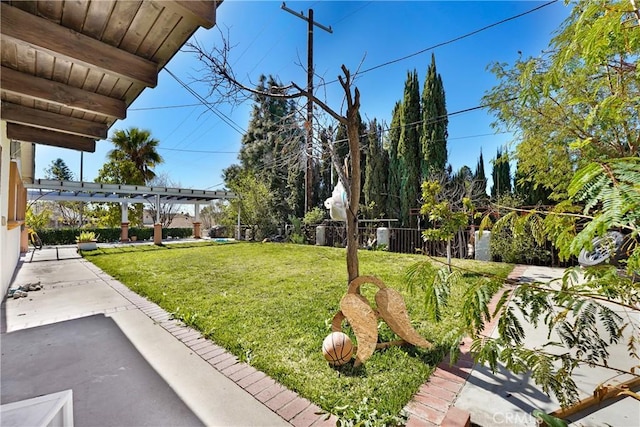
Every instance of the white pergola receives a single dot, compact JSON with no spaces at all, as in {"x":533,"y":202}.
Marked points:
{"x":93,"y":192}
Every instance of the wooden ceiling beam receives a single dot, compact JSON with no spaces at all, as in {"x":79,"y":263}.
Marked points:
{"x":42,"y":34}
{"x":26,"y":85}
{"x":47,"y":137}
{"x":203,"y":12}
{"x":19,"y":114}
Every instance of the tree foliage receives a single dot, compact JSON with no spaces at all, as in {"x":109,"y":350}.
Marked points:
{"x":137,"y":146}
{"x":391,"y":142}
{"x":376,"y":167}
{"x":588,"y":314}
{"x":253,"y":202}
{"x":574,"y":113}
{"x":274,"y":150}
{"x":479,"y":193}
{"x":433,"y":138}
{"x":501,"y":175}
{"x":409,"y":149}
{"x":58,"y":170}
{"x":120,"y":171}
{"x":69,"y":212}
{"x":578,"y":101}
{"x":441,"y":211}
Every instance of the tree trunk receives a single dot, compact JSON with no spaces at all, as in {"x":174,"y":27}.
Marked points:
{"x":449,"y":254}
{"x":354,"y":196}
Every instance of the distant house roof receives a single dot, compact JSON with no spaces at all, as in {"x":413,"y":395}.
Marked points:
{"x":71,"y":68}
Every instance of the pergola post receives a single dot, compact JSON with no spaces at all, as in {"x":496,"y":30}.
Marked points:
{"x":124,"y":225}
{"x":157,"y":227}
{"x":196,"y":222}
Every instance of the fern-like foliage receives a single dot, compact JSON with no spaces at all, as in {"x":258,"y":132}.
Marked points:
{"x":610,"y":191}
{"x":584,"y":312}
{"x":437,"y":290}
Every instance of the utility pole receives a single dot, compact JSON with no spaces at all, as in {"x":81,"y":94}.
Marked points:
{"x":308,"y":179}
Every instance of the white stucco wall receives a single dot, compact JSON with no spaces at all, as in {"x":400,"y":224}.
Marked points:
{"x":9,"y":239}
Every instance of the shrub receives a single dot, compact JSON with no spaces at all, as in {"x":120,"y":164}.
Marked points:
{"x":506,"y":245}
{"x":86,"y":236}
{"x":314,"y":216}
{"x":67,"y":236}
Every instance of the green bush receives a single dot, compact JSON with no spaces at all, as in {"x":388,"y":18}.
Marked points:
{"x":67,"y":236}
{"x":314,"y":216}
{"x":518,"y":248}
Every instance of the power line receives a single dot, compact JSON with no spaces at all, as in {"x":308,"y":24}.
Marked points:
{"x":203,"y":101}
{"x":464,"y":36}
{"x":393,"y":61}
{"x":184,"y":150}
{"x":164,"y":107}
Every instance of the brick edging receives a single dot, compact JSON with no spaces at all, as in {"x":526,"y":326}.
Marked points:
{"x":432,"y":405}
{"x":287,"y":404}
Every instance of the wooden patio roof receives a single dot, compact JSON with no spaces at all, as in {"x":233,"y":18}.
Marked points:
{"x":71,"y":68}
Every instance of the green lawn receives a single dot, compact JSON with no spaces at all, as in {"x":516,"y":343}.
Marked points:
{"x":271,"y":305}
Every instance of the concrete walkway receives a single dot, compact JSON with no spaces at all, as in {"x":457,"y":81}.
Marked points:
{"x":211,"y":383}
{"x":467,"y":391}
{"x":505,"y":399}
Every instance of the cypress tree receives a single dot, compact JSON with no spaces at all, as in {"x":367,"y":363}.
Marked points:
{"x":375,"y":183}
{"x":340,"y":148}
{"x":409,"y":149}
{"x":501,"y":175}
{"x":530,"y":193}
{"x":433,"y":141}
{"x":393,"y":178}
{"x":324,"y":187}
{"x":479,"y":195}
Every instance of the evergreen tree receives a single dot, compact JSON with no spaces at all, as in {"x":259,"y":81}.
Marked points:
{"x":324,"y":187}
{"x":340,"y":148}
{"x":433,"y":140}
{"x":58,"y":170}
{"x":393,"y":178}
{"x":409,"y":149}
{"x":501,"y":175}
{"x":479,"y":194}
{"x":530,"y":193}
{"x":375,"y":183}
{"x":273,"y":152}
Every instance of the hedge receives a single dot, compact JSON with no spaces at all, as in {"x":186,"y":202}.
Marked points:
{"x":67,"y":236}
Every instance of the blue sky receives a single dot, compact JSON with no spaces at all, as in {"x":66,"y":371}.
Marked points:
{"x":197,"y":145}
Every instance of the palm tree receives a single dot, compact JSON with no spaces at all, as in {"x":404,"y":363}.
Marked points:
{"x":137,"y":146}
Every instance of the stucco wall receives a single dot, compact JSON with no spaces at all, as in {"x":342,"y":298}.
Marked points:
{"x":9,"y":239}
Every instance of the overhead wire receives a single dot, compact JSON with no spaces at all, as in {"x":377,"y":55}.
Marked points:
{"x":204,"y":102}
{"x":393,"y":61}
{"x":241,"y":131}
{"x":453,"y":40}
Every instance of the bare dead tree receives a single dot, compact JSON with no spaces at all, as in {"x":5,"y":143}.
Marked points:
{"x":223,"y":83}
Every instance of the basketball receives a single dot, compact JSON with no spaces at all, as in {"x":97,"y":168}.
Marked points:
{"x":337,"y":348}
